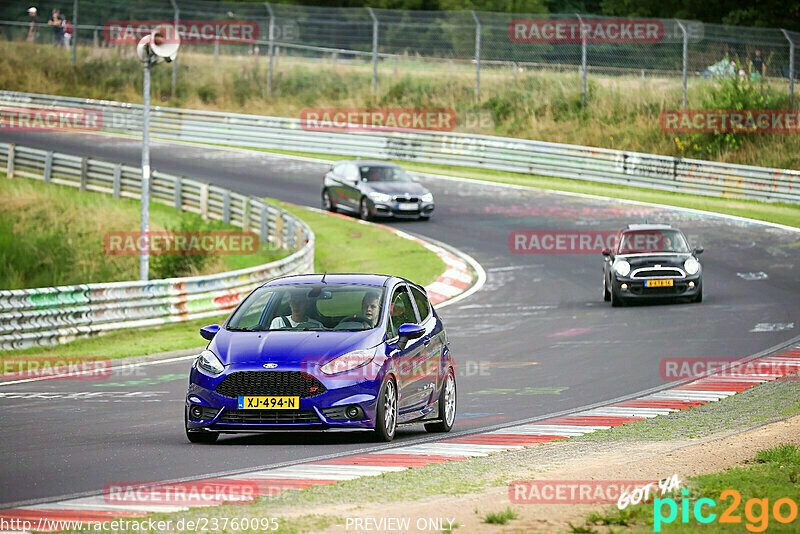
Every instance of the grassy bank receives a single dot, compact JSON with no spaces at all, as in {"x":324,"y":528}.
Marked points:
{"x":53,"y":235}
{"x":343,"y":245}
{"x":621,"y":111}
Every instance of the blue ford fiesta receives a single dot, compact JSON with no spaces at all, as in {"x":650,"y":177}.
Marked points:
{"x":324,"y":352}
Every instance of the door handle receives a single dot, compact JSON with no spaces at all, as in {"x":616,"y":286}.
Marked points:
{"x":426,"y":341}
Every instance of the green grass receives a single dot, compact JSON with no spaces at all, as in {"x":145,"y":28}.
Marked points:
{"x":534,"y":104}
{"x":53,"y":235}
{"x":343,"y":245}
{"x":772,"y":475}
{"x":500,"y":518}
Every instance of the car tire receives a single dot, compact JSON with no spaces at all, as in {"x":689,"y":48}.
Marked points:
{"x":199,"y":436}
{"x":699,"y":297}
{"x":447,"y":405}
{"x":327,"y":202}
{"x":616,"y":300}
{"x":606,"y":294}
{"x":385,"y":428}
{"x":363,"y":210}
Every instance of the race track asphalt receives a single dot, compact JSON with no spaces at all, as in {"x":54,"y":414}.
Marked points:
{"x":536,"y":340}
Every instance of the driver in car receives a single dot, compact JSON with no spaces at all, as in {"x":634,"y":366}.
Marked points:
{"x":298,"y":303}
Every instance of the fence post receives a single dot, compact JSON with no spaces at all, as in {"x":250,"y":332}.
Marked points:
{"x":177,"y":193}
{"x":117,"y":179}
{"x":246,"y":214}
{"x":374,"y":50}
{"x":74,"y":33}
{"x":264,"y":235}
{"x":477,"y":54}
{"x":279,"y":230}
{"x":48,"y":166}
{"x":271,"y":46}
{"x":10,"y":163}
{"x":791,"y":68}
{"x":583,"y":60}
{"x":685,"y":57}
{"x":176,"y":20}
{"x":216,"y":50}
{"x":226,"y":207}
{"x":84,"y":168}
{"x":204,"y":201}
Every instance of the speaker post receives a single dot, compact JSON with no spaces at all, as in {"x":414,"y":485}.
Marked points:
{"x":161,"y":45}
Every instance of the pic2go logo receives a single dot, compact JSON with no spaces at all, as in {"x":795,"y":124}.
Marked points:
{"x":757,"y":521}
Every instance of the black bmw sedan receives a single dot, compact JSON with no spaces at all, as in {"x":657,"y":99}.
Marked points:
{"x":651,"y":261}
{"x":375,"y":189}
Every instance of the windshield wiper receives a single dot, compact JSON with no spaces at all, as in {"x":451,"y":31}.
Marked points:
{"x":235,"y":329}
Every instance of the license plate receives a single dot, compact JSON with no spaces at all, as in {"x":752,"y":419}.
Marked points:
{"x":407,"y":206}
{"x":658,"y":283}
{"x":269,"y":403}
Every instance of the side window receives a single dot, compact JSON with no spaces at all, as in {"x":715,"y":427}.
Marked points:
{"x":351,"y":172}
{"x":401,"y":311}
{"x":249,"y":315}
{"x":423,"y":307}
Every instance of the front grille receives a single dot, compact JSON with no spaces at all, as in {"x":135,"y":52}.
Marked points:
{"x":275,"y":417}
{"x":285,"y":383}
{"x":658,"y":273}
{"x":674,"y":290}
{"x":404,"y":199}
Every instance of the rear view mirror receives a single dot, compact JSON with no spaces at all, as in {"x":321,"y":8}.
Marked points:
{"x":698,"y":250}
{"x":606,"y":252}
{"x":408,"y":331}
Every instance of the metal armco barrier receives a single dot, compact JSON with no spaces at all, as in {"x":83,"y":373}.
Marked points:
{"x":481,"y":151}
{"x":53,"y":315}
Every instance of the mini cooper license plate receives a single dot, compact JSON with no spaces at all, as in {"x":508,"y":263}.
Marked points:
{"x":658,"y":283}
{"x":269,"y":403}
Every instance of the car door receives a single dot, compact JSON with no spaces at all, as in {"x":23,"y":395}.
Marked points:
{"x":351,"y":179}
{"x":401,"y":311}
{"x":430,"y":357}
{"x":337,"y":188}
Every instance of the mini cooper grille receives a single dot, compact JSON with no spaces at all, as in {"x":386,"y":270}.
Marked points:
{"x":657,"y":273}
{"x":275,"y":417}
{"x":270,"y":383}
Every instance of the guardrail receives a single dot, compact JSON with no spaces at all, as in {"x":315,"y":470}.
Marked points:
{"x":650,"y":171}
{"x":53,"y":315}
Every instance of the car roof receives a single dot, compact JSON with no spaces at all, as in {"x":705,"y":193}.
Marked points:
{"x":370,"y":162}
{"x":647,"y":226}
{"x":334,"y":278}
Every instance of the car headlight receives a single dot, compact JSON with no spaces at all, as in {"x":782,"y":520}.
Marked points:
{"x":348,"y":362}
{"x":622,"y":267}
{"x":379,"y":197}
{"x":208,"y":362}
{"x":691,"y":265}
{"x":427,"y":197}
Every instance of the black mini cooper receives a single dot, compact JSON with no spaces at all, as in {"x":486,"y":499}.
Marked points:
{"x":651,"y":261}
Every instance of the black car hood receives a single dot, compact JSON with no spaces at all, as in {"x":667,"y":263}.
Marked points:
{"x":397,"y":188}
{"x":651,"y":260}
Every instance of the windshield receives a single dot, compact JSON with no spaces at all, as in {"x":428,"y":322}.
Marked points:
{"x":383,"y":174}
{"x":645,"y":241}
{"x":309,"y":307}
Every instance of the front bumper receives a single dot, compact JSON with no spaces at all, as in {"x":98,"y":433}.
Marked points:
{"x":390,"y":209}
{"x":689,"y":286}
{"x":325,"y":411}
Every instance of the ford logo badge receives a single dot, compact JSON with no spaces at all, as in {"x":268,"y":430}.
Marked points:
{"x":270,"y":365}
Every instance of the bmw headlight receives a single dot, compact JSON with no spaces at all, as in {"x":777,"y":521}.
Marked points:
{"x":427,"y":197}
{"x":622,"y":267}
{"x":691,"y":265}
{"x":208,"y":362}
{"x":379,"y":197}
{"x":347,"y":362}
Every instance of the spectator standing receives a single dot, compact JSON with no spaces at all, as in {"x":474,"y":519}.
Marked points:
{"x":57,"y":22}
{"x":33,"y":30}
{"x":758,"y":64}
